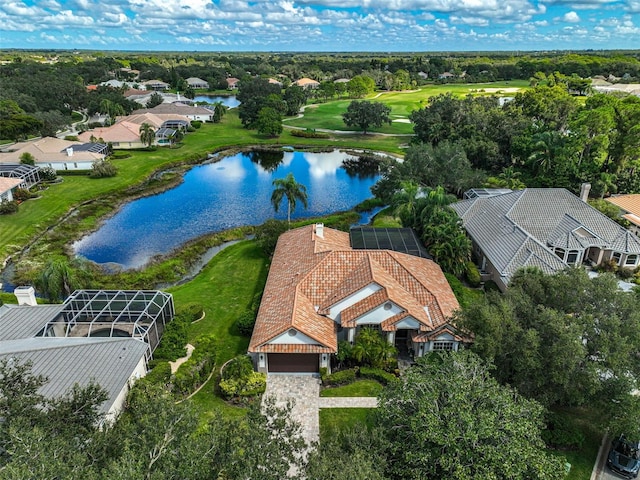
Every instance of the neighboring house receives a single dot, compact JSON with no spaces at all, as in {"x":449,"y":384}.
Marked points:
{"x":156,"y":85}
{"x":120,"y":84}
{"x":125,"y":133}
{"x":630,"y":204}
{"x":195,"y":82}
{"x":342,"y":80}
{"x":57,"y":153}
{"x":103,"y":336}
{"x":547,"y":228}
{"x":199,"y":113}
{"x":273,"y":81}
{"x":7,"y":186}
{"x":307,"y":83}
{"x":446,"y":76}
{"x":232,"y":83}
{"x":321,"y":290}
{"x":143,"y":97}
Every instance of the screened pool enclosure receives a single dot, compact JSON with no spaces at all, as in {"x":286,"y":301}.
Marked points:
{"x":139,"y":314}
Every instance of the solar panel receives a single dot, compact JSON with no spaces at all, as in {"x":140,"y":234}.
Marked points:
{"x":402,"y":240}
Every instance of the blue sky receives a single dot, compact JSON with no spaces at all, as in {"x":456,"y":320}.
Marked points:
{"x":320,"y":25}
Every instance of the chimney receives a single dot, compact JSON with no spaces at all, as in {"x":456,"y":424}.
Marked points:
{"x":25,"y":296}
{"x":584,"y":192}
{"x":69,"y":151}
{"x":320,"y":230}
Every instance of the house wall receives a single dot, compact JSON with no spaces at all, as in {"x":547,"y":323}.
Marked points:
{"x":6,"y":196}
{"x":139,"y":371}
{"x":487,"y":267}
{"x":334,"y":312}
{"x":68,"y":165}
{"x":127,"y":145}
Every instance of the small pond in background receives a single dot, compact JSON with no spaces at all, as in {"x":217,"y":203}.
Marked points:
{"x":228,"y":101}
{"x":232,"y":192}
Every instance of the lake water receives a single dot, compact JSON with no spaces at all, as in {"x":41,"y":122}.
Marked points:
{"x":232,"y":192}
{"x":231,"y":101}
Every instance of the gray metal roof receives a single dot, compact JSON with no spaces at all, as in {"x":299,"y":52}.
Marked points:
{"x":67,"y":361}
{"x":506,"y":226}
{"x":25,"y":321}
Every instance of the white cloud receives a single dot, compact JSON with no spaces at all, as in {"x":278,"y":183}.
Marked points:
{"x":571,"y":17}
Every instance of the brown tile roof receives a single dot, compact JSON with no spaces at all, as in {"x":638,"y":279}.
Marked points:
{"x":311,"y":273}
{"x":630,"y":204}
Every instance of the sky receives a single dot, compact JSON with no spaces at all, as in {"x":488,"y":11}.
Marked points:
{"x":320,"y":25}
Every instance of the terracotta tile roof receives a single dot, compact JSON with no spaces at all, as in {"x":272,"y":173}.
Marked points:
{"x":7,"y":184}
{"x":311,"y":273}
{"x":630,"y":204}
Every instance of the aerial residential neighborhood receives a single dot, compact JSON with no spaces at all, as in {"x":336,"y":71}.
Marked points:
{"x":319,"y":265}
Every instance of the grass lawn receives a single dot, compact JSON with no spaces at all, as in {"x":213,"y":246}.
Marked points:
{"x":360,"y":388}
{"x":225,"y":287}
{"x":329,"y":115}
{"x":583,"y":460}
{"x":334,"y":420}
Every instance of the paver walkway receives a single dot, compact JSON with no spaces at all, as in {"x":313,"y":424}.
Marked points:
{"x":303,"y":391}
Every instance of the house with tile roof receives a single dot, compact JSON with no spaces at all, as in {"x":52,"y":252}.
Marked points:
{"x":630,"y":205}
{"x":320,"y":290}
{"x":232,"y":83}
{"x":307,"y":83}
{"x":547,"y":228}
{"x":195,"y":82}
{"x":56,"y":153}
{"x":192,"y":112}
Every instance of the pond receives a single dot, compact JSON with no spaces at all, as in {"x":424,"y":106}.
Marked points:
{"x":228,"y":101}
{"x":232,"y":192}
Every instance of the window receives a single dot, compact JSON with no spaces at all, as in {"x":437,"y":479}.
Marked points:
{"x":572,"y":258}
{"x":616,"y":257}
{"x":442,"y":346}
{"x":560,"y":253}
{"x":631,"y":260}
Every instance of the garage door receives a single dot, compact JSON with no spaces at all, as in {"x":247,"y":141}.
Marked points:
{"x":294,"y":362}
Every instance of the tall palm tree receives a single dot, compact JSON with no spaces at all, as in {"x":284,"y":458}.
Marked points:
{"x":219,"y":109}
{"x":147,"y":135}
{"x":292,"y":190}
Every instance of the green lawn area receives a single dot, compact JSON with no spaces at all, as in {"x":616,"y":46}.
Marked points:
{"x":360,"y":388}
{"x":583,"y":460}
{"x":329,"y":115}
{"x":225,"y":288}
{"x":334,"y":420}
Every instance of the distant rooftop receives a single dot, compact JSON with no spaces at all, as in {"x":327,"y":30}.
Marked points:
{"x":485,"y":192}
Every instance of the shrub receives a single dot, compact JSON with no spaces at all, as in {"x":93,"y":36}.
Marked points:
{"x":562,"y":433}
{"x":473,"y":274}
{"x":20,"y":194}
{"x":345,"y":353}
{"x":343,"y":377}
{"x":191,"y":312}
{"x":245,"y":323}
{"x":8,"y":207}
{"x":103,"y":169}
{"x":195,"y":371}
{"x":191,"y":129}
{"x":377,"y":374}
{"x":160,"y":374}
{"x":71,"y":138}
{"x":48,"y":174}
{"x":323,"y":374}
{"x":120,"y":155}
{"x":238,"y":368}
{"x":625,"y":273}
{"x":174,"y":339}
{"x":196,"y":124}
{"x":27,"y":158}
{"x":308,"y":134}
{"x":254,"y":384}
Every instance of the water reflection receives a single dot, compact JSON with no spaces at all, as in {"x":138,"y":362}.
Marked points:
{"x":233,"y":192}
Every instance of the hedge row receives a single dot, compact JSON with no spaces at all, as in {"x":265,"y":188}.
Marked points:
{"x":195,"y":371}
{"x":377,"y":374}
{"x":308,"y":134}
{"x":175,"y":335}
{"x":345,"y":377}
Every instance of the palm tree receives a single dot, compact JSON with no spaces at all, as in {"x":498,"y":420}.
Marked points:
{"x":147,"y":135}
{"x":292,"y":190}
{"x":58,"y":279}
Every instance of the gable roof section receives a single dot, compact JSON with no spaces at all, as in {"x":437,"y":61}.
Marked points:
{"x":311,"y":273}
{"x":630,"y":204}
{"x":25,"y":321}
{"x":7,"y":184}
